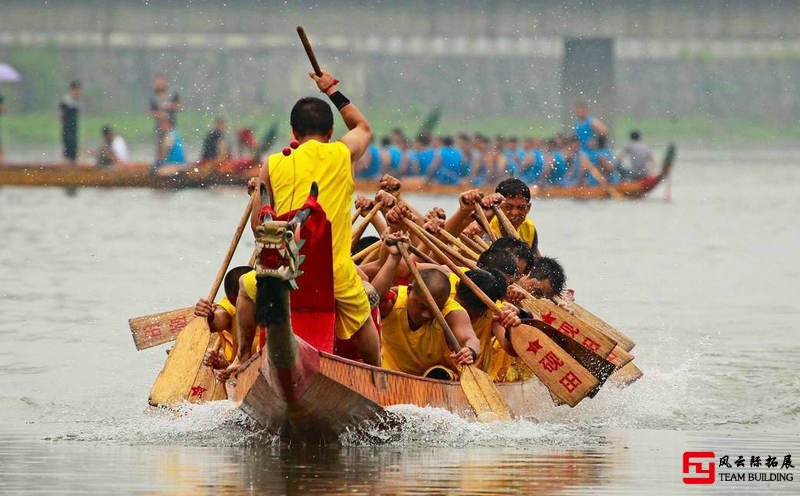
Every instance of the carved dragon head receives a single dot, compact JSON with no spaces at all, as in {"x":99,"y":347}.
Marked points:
{"x":278,"y":245}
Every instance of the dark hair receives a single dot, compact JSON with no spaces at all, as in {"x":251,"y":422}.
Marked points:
{"x":75,"y":83}
{"x":385,"y":141}
{"x":363,"y":243}
{"x":424,"y":139}
{"x":310,"y":115}
{"x":106,"y":130}
{"x":601,"y":140}
{"x":548,"y":268}
{"x":499,"y":260}
{"x":447,"y":141}
{"x":464,"y":136}
{"x":636,"y":135}
{"x":514,"y":247}
{"x":436,"y":281}
{"x":513,"y":187}
{"x":231,"y":284}
{"x":492,"y":283}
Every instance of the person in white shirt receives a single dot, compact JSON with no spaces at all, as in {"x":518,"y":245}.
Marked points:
{"x":113,"y":151}
{"x":639,"y":157}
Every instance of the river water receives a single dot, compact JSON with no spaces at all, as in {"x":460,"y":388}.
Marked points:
{"x":704,"y":283}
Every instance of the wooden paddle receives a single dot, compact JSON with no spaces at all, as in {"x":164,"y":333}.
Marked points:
{"x":619,"y":355}
{"x":460,"y":244}
{"x":505,"y":224}
{"x":479,"y":389}
{"x":627,"y":375}
{"x":579,"y":383}
{"x":160,"y":328}
{"x":480,"y":216}
{"x":476,"y":248}
{"x":366,"y":251}
{"x":624,"y":341}
{"x":183,"y":375}
{"x":612,"y":191}
{"x":358,"y":231}
{"x":309,"y":51}
{"x":425,"y":235}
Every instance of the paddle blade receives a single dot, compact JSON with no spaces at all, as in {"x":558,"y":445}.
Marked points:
{"x":175,"y":380}
{"x":557,"y":370}
{"x":159,"y":328}
{"x":570,"y":325}
{"x":205,"y":386}
{"x":627,"y":375}
{"x":483,"y":395}
{"x":622,"y":340}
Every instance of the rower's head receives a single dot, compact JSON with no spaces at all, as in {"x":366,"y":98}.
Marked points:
{"x":636,"y":135}
{"x":501,"y":261}
{"x":231,"y":283}
{"x":220,"y":123}
{"x":438,"y":284}
{"x":519,"y":250}
{"x":423,"y":141}
{"x":517,"y":200}
{"x":363,"y":243}
{"x":311,"y":118}
{"x":546,"y":276}
{"x":581,"y":110}
{"x":493,"y":284}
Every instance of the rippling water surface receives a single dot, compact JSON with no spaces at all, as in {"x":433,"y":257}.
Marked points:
{"x":705,"y":284}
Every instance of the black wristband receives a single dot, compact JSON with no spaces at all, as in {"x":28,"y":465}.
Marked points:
{"x":339,"y":100}
{"x":474,"y":355}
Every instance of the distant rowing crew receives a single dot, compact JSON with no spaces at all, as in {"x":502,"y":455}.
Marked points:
{"x":569,"y":159}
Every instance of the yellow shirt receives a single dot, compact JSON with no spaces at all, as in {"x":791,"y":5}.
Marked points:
{"x":414,"y":352}
{"x":229,"y":345}
{"x":329,"y":165}
{"x":527,"y":231}
{"x":454,"y":280}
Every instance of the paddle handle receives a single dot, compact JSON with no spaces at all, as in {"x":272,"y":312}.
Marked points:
{"x":365,"y":252}
{"x":457,"y":242}
{"x":480,"y":216}
{"x":506,"y":224}
{"x":425,"y":235}
{"x":464,"y":279}
{"x":612,"y":192}
{"x":364,"y":223}
{"x":452,"y":342}
{"x":309,"y":51}
{"x":231,"y":249}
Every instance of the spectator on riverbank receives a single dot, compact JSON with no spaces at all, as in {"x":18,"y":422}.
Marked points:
{"x":113,"y":151}
{"x":68,"y":110}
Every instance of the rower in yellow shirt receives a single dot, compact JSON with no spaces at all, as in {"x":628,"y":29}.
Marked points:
{"x":288,"y":177}
{"x":221,"y":318}
{"x":516,"y":205}
{"x":412,"y":341}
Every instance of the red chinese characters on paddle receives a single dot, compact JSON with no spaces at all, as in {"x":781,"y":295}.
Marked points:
{"x":568,"y":329}
{"x":570,"y":381}
{"x":551,"y":362}
{"x":591,"y":344}
{"x":177,"y":323}
{"x":152,"y":331}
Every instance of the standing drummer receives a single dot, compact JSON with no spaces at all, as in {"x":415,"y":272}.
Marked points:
{"x":289,"y":176}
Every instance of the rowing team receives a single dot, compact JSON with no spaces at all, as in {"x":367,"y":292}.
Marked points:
{"x":565,"y":160}
{"x":381,"y":316}
{"x":411,"y":340}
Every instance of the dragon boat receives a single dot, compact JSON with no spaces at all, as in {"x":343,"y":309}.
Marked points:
{"x":236,"y":173}
{"x":296,"y":386}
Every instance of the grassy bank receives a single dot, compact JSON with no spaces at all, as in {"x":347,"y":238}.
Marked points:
{"x":33,"y":129}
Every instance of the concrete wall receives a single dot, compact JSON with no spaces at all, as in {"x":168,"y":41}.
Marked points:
{"x":475,"y":57}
